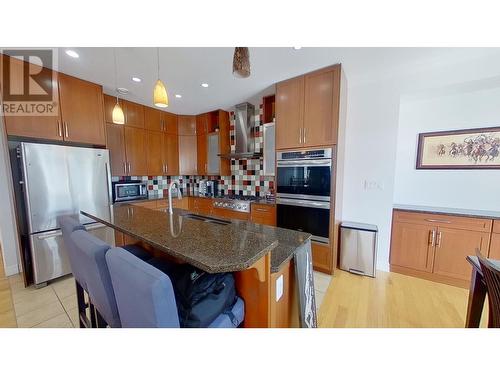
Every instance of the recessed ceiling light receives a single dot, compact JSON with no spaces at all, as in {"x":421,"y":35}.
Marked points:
{"x":204,"y":85}
{"x":178,"y":96}
{"x":136,"y":79}
{"x":297,"y":48}
{"x":72,"y":53}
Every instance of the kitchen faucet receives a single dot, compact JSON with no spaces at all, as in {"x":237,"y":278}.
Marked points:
{"x":179,"y":195}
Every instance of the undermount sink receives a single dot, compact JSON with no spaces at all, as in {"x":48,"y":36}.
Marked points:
{"x":206,"y":219}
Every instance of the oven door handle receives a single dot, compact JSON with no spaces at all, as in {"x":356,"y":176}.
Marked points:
{"x":305,"y":163}
{"x":303,"y":203}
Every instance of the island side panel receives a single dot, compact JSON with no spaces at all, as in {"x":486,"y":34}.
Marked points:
{"x":285,"y":311}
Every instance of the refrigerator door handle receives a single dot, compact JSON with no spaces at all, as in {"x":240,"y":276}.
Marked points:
{"x":108,"y":182}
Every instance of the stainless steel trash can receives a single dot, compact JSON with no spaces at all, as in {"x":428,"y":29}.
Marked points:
{"x":358,"y":248}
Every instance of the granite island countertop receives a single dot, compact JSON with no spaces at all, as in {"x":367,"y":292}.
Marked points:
{"x":209,"y":246}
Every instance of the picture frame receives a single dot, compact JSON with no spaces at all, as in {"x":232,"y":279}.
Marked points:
{"x":477,"y":148}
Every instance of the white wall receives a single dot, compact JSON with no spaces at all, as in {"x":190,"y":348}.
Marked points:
{"x":373,"y":115}
{"x":8,"y":227}
{"x":457,"y":109}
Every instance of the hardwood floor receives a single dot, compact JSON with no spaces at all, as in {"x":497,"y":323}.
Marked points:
{"x":392,"y":300}
{"x":7,"y":313}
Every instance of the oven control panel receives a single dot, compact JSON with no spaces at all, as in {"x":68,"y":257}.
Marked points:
{"x":325,"y":153}
{"x":233,"y":205}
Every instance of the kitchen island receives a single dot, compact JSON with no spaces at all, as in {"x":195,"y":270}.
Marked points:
{"x":271,"y":265}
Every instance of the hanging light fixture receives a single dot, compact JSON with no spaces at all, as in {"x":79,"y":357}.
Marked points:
{"x":118,"y":117}
{"x":160,"y":97}
{"x":241,"y":62}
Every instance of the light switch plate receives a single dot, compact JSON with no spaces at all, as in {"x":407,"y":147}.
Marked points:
{"x":279,"y":288}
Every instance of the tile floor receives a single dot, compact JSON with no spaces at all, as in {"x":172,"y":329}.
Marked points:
{"x":54,"y":306}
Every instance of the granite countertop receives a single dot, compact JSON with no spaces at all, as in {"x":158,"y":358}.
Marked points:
{"x":209,"y":246}
{"x":449,"y":211}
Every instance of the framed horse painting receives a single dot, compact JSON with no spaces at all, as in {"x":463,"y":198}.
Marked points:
{"x":459,"y":149}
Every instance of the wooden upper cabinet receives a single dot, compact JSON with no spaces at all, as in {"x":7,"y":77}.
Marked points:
{"x":321,"y":107}
{"x":153,"y":119}
{"x":494,"y":246}
{"x":224,"y":143}
{"x":452,"y":248}
{"x":115,"y":143}
{"x":170,"y":123}
{"x":155,"y":145}
{"x":201,"y":151}
{"x":134,"y":114}
{"x":109,"y":105}
{"x":43,"y":127}
{"x":411,"y":246}
{"x":289,"y":113}
{"x":171,"y":154}
{"x":186,"y":125}
{"x":202,"y":123}
{"x":135,"y":151}
{"x":188,"y":161}
{"x":82,"y":110}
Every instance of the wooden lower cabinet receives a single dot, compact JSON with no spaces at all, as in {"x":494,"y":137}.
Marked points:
{"x":202,"y":206}
{"x":411,"y":246}
{"x":452,"y":248}
{"x":264,"y":214}
{"x":494,"y":246}
{"x":435,"y":246}
{"x":322,"y":257}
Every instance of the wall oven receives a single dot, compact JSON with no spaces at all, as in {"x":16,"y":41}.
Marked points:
{"x":303,"y":188}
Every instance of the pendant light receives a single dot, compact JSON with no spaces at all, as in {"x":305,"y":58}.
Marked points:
{"x":118,"y":117}
{"x":160,"y":98}
{"x":241,"y":62}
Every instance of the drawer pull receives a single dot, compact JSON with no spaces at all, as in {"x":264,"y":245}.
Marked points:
{"x":432,"y":237}
{"x":438,"y":221}
{"x":262,"y":209}
{"x":438,"y":242}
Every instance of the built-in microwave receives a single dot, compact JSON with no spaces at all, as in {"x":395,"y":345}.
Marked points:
{"x":130,"y":190}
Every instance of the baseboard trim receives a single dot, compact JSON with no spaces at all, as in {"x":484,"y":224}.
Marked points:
{"x":431,"y":276}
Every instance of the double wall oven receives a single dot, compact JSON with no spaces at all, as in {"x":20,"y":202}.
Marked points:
{"x":303,"y":188}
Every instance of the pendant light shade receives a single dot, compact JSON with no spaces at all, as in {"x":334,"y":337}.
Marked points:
{"x":241,"y":62}
{"x":118,"y":116}
{"x":160,"y":98}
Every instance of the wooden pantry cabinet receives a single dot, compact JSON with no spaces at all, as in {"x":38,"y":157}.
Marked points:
{"x":162,"y":154}
{"x":78,"y":113}
{"x":307,"y":109}
{"x":187,"y":145}
{"x":127,"y":147}
{"x":157,"y":120}
{"x":133,"y":112}
{"x":201,"y":143}
{"x":434,"y":246}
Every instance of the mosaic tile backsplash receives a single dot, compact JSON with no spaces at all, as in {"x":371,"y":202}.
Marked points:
{"x":246,"y":174}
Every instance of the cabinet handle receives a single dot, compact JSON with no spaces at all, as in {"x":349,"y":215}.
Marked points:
{"x":432,"y":237}
{"x":128,"y":167}
{"x":166,"y":168}
{"x":66,"y":131}
{"x":304,"y":135}
{"x":125,"y":167}
{"x":261,"y":209}
{"x":438,"y":221}
{"x":59,"y":129}
{"x":300,"y":135}
{"x":438,"y":242}
{"x":162,"y":125}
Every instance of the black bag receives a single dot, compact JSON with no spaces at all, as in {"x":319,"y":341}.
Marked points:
{"x":201,"y":297}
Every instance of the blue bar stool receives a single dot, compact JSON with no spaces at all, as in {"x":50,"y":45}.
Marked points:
{"x":92,"y":258}
{"x":145,"y":296}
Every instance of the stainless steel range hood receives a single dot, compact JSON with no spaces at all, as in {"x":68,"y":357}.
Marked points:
{"x":244,"y":133}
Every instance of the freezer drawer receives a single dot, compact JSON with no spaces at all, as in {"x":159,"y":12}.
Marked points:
{"x":50,"y":260}
{"x":358,"y":248}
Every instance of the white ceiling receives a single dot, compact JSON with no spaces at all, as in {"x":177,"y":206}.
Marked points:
{"x":184,"y":69}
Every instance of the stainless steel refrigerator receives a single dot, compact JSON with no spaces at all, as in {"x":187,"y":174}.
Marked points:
{"x":56,"y":180}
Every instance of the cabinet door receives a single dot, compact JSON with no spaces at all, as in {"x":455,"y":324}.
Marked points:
{"x":187,"y":125}
{"x":135,"y":151}
{"x":201,"y":142}
{"x":213,"y":161}
{"x":224,"y":143}
{"x":170,"y":123}
{"x":187,"y":155}
{"x":494,"y":246}
{"x":289,"y":113}
{"x":134,"y":114}
{"x":453,"y":246}
{"x":154,"y":145}
{"x":263,"y":214}
{"x":202,"y":124}
{"x":115,"y":143}
{"x":321,"y":103}
{"x":81,"y":110}
{"x":171,"y":154}
{"x":321,"y":257}
{"x":109,"y":105}
{"x":411,"y":246}
{"x":153,"y":119}
{"x":42,"y":127}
